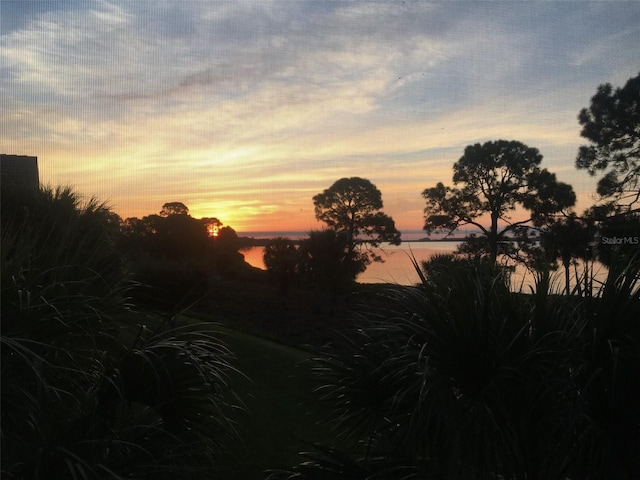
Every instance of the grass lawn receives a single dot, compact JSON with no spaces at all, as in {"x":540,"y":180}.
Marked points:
{"x":264,"y":328}
{"x":283,"y":417}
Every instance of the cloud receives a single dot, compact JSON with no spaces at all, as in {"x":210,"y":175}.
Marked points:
{"x":256,"y":106}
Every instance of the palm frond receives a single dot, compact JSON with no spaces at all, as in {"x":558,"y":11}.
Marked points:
{"x":89,"y":391}
{"x":457,"y":375}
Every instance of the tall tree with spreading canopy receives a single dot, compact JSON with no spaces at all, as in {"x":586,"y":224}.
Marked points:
{"x":495,"y":179}
{"x":352,"y":206}
{"x":612,"y":126}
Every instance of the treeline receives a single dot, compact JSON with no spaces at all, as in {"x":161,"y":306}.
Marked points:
{"x":174,"y":257}
{"x":492,"y":182}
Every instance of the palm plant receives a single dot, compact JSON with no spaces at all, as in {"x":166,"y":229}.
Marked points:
{"x":328,"y":463}
{"x":90,"y":388}
{"x":461,"y":378}
{"x":456,"y":378}
{"x":609,"y":371}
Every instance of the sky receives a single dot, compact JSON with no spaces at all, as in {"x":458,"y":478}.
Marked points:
{"x":244,"y":110}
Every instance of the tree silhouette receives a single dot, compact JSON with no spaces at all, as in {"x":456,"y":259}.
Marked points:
{"x":212,"y":225}
{"x":227,"y":239}
{"x":619,"y":240}
{"x":496,"y":178}
{"x":323,"y":260}
{"x":568,"y":238}
{"x":352,"y":206}
{"x":174,"y":208}
{"x":172,"y":233}
{"x":280,"y":258}
{"x":178,"y":236}
{"x":612,"y":125}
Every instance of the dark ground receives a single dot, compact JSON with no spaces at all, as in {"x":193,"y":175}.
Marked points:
{"x":302,"y":318}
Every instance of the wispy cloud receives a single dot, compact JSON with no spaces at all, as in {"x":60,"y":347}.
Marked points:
{"x":245,"y":110}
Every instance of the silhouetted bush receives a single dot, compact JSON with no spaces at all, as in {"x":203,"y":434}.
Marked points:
{"x":460,"y":378}
{"x":167,"y":283}
{"x":281,"y":258}
{"x":90,"y":388}
{"x":325,"y":263}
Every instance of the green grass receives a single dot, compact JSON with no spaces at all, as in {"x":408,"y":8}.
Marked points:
{"x":282,"y":416}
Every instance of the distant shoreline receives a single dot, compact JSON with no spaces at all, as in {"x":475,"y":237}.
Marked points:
{"x":406,"y":235}
{"x":263,"y":240}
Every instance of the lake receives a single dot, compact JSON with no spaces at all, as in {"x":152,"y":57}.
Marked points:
{"x":398,"y":268}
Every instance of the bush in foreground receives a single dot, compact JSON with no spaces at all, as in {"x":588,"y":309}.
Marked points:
{"x":460,"y":378}
{"x":90,"y":388}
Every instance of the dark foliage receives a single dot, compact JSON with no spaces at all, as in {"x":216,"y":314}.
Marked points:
{"x":90,"y":388}
{"x":281,"y":258}
{"x":173,"y":256}
{"x":612,"y":126}
{"x":324,"y":261}
{"x":461,"y":378}
{"x":495,"y":178}
{"x":618,"y":238}
{"x":352,"y":208}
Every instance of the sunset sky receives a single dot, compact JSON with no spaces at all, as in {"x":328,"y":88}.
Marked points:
{"x":246,"y":110}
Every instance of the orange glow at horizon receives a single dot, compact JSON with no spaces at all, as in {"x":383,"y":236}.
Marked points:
{"x":137,"y":111}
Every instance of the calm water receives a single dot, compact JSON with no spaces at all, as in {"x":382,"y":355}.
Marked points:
{"x":397,"y":266}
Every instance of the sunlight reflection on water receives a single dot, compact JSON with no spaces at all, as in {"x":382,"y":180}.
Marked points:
{"x":398,"y":268}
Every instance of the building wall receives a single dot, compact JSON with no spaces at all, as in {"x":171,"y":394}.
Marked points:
{"x":19,"y":171}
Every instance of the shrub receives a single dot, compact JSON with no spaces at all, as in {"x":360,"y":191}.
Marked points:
{"x":460,"y":378}
{"x":90,"y":388}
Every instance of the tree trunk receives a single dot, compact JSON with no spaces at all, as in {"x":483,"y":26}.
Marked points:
{"x":493,"y":239}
